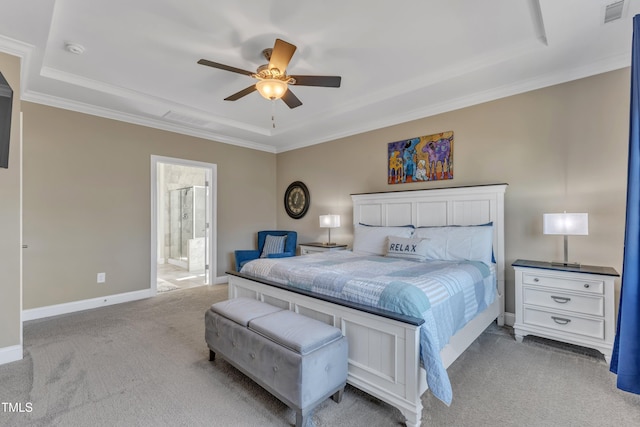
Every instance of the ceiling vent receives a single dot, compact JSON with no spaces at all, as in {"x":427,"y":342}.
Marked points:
{"x":185,"y":119}
{"x":613,"y":11}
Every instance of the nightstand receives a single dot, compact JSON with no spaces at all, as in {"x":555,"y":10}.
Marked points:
{"x":569,"y":304}
{"x":314,"y":247}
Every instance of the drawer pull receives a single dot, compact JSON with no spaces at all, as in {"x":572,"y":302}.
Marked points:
{"x":560,"y":300}
{"x":535,"y":279}
{"x":560,"y":320}
{"x":586,"y":285}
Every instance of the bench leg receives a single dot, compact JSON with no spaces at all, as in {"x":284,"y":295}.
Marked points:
{"x":337,"y":396}
{"x":302,"y":418}
{"x":212,"y":356}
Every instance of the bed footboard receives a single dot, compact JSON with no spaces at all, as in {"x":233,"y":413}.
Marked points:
{"x":383,"y":352}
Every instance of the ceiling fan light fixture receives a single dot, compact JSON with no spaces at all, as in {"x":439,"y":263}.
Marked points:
{"x":272,"y":79}
{"x":272,"y":88}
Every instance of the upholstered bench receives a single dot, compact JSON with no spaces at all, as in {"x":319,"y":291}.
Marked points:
{"x":299,"y":360}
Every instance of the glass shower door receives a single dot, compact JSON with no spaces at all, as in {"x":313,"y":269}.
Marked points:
{"x":181,"y":222}
{"x":188,"y":227}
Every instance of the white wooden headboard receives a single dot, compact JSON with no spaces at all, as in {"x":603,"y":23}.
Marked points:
{"x":471,"y":205}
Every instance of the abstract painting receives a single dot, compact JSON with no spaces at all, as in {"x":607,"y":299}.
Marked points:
{"x":424,"y":158}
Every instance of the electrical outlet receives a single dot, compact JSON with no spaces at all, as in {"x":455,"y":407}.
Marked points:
{"x":102,"y":277}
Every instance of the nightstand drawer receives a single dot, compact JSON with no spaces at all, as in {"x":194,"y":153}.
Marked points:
{"x":315,"y":247}
{"x":569,"y":284}
{"x":564,"y":322}
{"x":586,"y":304}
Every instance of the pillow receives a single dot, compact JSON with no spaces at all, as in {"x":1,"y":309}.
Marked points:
{"x":273,"y":245}
{"x":372,"y":240}
{"x":402,"y":247}
{"x":452,"y":243}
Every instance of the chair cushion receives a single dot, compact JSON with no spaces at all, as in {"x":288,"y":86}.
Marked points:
{"x":294,"y":331}
{"x":243,"y":310}
{"x":273,"y":245}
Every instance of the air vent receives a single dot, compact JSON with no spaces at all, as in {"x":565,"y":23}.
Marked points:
{"x":185,"y":119}
{"x":613,"y":11}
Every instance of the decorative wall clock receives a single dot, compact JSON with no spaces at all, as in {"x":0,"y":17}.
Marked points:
{"x":297,"y":200}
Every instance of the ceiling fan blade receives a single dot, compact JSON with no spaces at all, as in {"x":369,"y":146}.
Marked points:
{"x":243,"y":92}
{"x":324,"y":81}
{"x":281,"y":55}
{"x":291,"y":100}
{"x":224,"y":67}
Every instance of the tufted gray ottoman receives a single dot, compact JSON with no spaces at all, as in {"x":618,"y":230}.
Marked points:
{"x":299,"y":360}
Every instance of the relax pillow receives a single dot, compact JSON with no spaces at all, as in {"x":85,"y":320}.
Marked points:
{"x":402,"y":247}
{"x":273,"y":245}
{"x":453,"y":243}
{"x":372,"y":240}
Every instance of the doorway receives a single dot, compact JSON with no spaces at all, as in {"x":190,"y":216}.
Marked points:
{"x":183,"y":223}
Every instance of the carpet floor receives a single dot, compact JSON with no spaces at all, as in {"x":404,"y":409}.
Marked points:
{"x":145,"y":363}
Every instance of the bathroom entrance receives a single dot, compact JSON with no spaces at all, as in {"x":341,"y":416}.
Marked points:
{"x":183,"y":222}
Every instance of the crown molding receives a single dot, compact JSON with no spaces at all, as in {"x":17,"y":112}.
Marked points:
{"x":137,"y":96}
{"x":66,"y":104}
{"x":609,"y":64}
{"x":24,"y":51}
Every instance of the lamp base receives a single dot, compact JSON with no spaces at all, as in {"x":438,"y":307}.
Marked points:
{"x":566,"y":264}
{"x":329,"y":244}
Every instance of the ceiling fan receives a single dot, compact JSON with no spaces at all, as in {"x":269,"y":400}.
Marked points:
{"x":273,"y":82}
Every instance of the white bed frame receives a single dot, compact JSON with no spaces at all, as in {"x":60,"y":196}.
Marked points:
{"x":384,"y":352}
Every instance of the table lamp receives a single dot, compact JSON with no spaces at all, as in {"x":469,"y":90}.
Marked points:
{"x":329,"y":221}
{"x":567,"y":224}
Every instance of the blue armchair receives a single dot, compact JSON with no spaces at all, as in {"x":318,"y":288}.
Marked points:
{"x":244,"y":256}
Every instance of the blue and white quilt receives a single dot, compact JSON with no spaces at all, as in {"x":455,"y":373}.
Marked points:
{"x":446,"y":294}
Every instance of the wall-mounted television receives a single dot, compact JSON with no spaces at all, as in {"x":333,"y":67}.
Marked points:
{"x":6,"y":101}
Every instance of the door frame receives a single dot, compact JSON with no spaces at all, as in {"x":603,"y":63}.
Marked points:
{"x":211,"y":213}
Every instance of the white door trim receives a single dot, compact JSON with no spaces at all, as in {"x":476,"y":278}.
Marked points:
{"x":211,"y":172}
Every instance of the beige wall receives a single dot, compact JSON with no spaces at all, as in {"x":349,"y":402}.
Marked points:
{"x":87,"y":188}
{"x":10,"y":328}
{"x":558,"y":148}
{"x":87,"y":202}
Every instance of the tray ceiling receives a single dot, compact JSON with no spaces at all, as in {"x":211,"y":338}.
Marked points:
{"x":398,"y":61}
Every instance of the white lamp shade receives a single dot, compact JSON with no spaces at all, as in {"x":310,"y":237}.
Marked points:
{"x":571,"y":224}
{"x":329,"y":221}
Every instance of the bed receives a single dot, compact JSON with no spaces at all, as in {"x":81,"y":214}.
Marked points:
{"x":385,"y":357}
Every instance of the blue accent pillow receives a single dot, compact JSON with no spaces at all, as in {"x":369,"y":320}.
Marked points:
{"x":273,"y":245}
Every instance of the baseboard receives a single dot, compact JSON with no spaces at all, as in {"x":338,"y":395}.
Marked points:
{"x":10,"y":354}
{"x":509,"y":319}
{"x":221,"y":280}
{"x":72,"y":307}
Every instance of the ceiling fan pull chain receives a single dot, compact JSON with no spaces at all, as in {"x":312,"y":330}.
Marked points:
{"x":273,"y":113}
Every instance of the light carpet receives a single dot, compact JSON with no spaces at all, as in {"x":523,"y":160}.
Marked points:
{"x":145,"y":363}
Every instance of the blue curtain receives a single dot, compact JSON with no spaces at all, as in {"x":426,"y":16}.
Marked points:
{"x":625,"y":360}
